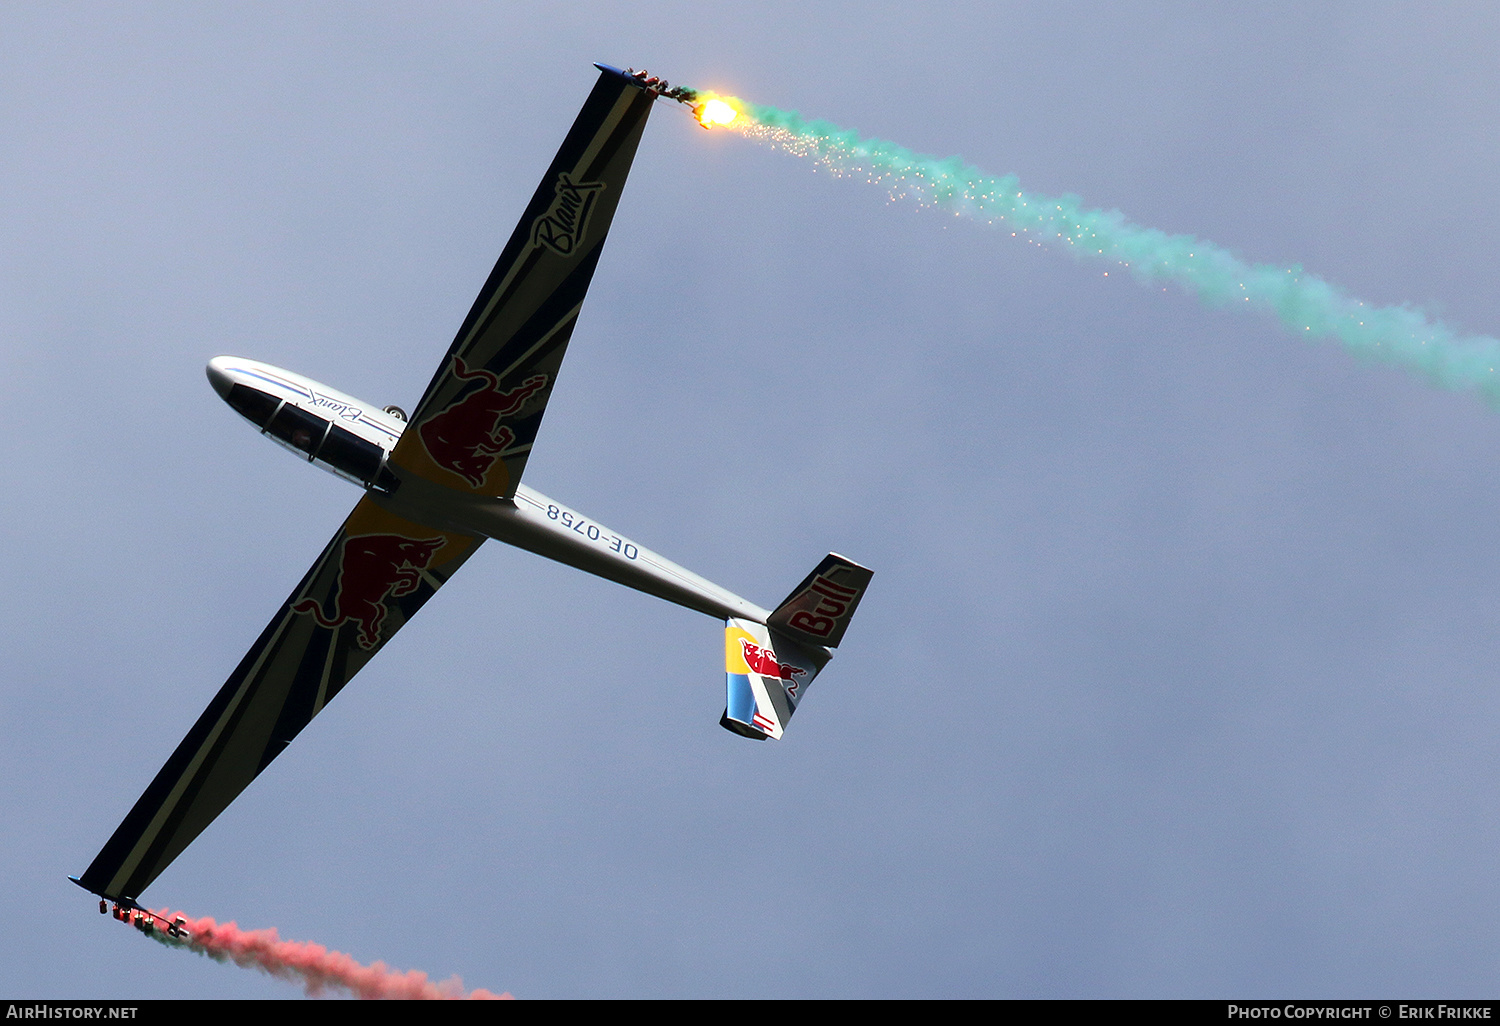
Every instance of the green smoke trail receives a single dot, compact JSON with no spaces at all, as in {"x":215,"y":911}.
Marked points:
{"x":1303,"y":303}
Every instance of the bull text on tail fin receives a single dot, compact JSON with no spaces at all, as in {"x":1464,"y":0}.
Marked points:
{"x":819,"y":609}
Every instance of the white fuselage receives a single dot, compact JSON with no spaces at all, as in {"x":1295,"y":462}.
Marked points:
{"x":353,"y":440}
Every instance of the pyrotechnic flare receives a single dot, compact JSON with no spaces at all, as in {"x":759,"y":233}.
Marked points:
{"x":312,"y":965}
{"x":1303,"y":303}
{"x":713,"y":112}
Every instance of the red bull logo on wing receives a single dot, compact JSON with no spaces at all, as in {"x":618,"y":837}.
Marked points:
{"x":373,"y":568}
{"x":466,"y":437}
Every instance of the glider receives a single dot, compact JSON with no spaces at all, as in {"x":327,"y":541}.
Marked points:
{"x":436,"y":485}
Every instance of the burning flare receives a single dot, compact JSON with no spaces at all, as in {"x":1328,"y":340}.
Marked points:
{"x":312,"y":965}
{"x":714,"y":112}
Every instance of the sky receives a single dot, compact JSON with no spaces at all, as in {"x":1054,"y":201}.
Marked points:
{"x":1177,"y":675}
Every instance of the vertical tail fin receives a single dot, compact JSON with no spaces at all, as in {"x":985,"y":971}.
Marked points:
{"x":769,"y":666}
{"x":818,"y":610}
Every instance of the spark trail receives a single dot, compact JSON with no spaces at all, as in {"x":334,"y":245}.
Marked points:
{"x":312,"y":965}
{"x":1302,"y":303}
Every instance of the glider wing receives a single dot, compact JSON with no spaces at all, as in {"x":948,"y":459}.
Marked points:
{"x":473,"y":429}
{"x":373,"y":577}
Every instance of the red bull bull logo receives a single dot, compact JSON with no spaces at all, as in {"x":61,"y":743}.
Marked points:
{"x":373,"y":569}
{"x":466,"y":437}
{"x":764,"y":662}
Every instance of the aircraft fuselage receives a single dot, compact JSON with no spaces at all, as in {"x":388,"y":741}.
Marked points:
{"x":353,"y":440}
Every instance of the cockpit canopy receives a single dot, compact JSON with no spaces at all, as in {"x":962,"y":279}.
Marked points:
{"x":315,"y":438}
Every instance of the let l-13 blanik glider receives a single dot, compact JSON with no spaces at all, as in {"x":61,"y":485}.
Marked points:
{"x":439,"y":484}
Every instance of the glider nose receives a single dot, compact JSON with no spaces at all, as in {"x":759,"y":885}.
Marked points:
{"x":219,"y":375}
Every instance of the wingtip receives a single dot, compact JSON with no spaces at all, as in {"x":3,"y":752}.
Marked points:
{"x":124,"y":902}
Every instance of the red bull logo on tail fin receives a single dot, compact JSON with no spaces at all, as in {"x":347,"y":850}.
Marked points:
{"x":832,"y":602}
{"x":466,"y":437}
{"x":373,"y":569}
{"x":764,"y":662}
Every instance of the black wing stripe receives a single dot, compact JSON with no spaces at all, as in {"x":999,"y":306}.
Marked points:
{"x":552,"y":322}
{"x":640,"y":106}
{"x":301,"y":702}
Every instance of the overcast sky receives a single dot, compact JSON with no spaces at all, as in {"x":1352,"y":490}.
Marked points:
{"x":1178,"y":673}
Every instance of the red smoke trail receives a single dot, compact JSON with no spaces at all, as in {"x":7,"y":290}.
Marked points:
{"x":312,"y":965}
